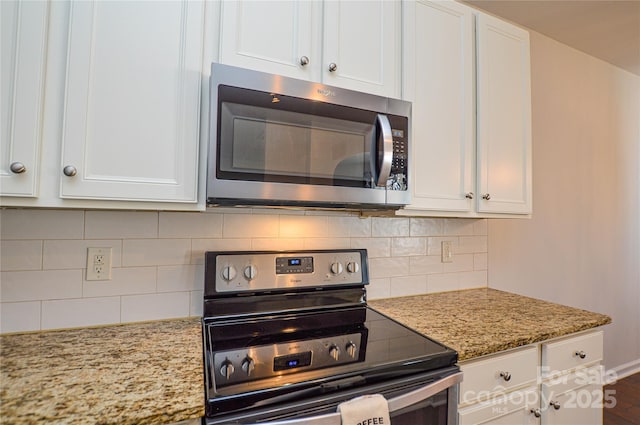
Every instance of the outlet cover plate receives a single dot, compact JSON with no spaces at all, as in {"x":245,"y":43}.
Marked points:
{"x":99,"y":263}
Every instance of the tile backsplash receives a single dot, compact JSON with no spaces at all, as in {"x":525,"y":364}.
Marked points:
{"x":157,"y":258}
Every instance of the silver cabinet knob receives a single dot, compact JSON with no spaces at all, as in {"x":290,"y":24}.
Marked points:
{"x":486,"y":196}
{"x":506,"y":376}
{"x":555,"y":405}
{"x":580,"y":354}
{"x":70,"y":171}
{"x":469,"y":195}
{"x":304,"y":61}
{"x":333,"y":67}
{"x":17,"y":168}
{"x":536,"y":412}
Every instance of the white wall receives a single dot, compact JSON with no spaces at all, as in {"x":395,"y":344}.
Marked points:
{"x":158,"y":258}
{"x":582,"y":247}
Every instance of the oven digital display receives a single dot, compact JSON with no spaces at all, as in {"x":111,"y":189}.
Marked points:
{"x":292,"y":361}
{"x":294,"y":265}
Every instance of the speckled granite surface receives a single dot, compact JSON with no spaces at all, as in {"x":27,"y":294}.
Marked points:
{"x":151,"y":373}
{"x":146,"y":373}
{"x":476,"y":322}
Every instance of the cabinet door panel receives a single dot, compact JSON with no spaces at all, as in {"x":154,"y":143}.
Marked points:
{"x":503,"y":117}
{"x":363,"y":39}
{"x":272,"y":36}
{"x":24,"y":43}
{"x":131,"y":121}
{"x":578,"y":398}
{"x":440,"y":44}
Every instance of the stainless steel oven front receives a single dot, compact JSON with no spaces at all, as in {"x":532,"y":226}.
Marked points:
{"x":288,"y":336}
{"x":281,"y":141}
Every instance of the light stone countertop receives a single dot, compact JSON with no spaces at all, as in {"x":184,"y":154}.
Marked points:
{"x":143,"y":373}
{"x":476,"y":322}
{"x":152,"y":373}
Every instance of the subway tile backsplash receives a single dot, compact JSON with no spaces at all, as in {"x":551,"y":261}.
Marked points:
{"x":158,"y":258}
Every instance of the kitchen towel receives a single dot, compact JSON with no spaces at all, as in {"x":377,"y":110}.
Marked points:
{"x":365,"y":410}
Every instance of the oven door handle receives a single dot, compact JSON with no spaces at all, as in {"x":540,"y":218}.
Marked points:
{"x":395,"y":404}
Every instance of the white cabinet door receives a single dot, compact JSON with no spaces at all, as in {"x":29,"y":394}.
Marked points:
{"x":132,"y":100}
{"x":438,"y":79}
{"x":278,"y":37}
{"x":363,"y":40}
{"x":24,"y":43}
{"x":574,"y":399}
{"x":503,"y":117}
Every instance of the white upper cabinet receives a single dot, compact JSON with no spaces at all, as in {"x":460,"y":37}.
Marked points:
{"x":132,"y":101}
{"x":504,"y":117}
{"x":468,"y":77}
{"x":439,"y":76}
{"x":278,"y":37}
{"x":362,"y":46}
{"x":24,"y":48}
{"x":354,"y":45}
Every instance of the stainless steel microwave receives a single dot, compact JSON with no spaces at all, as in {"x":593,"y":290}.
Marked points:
{"x":280,"y":141}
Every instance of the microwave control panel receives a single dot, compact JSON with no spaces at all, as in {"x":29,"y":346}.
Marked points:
{"x":400,"y":162}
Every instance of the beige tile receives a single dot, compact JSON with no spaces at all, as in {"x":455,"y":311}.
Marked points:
{"x":378,"y":288}
{"x":20,"y":317}
{"x":475,"y":279}
{"x":401,"y":247}
{"x":459,"y":226}
{"x":152,"y":252}
{"x":425,"y":264}
{"x":434,"y":245}
{"x":282,"y":244}
{"x":480,"y":261}
{"x":189,"y":225}
{"x":426,"y":226}
{"x":303,"y":226}
{"x":80,"y":312}
{"x":167,"y":305}
{"x":472,"y":244}
{"x":408,"y":285}
{"x":327,"y":243}
{"x":20,"y":255}
{"x":349,"y":226}
{"x":376,"y":247}
{"x":124,"y":281}
{"x":40,"y":285}
{"x":460,"y":263}
{"x":181,"y":278}
{"x":121,"y":224}
{"x":250,"y":226}
{"x":388,"y":267}
{"x":23,"y":224}
{"x":200,"y":246}
{"x":442,"y":282}
{"x":384,"y":226}
{"x":197,"y":301}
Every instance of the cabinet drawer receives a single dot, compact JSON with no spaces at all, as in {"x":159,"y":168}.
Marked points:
{"x":498,"y":374}
{"x":512,"y":409}
{"x":571,"y":353}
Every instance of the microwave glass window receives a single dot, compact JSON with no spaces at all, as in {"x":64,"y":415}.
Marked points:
{"x":267,"y":144}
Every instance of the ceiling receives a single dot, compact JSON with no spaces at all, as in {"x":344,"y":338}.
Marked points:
{"x":606,"y":29}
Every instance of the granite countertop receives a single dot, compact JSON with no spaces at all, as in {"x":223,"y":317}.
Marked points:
{"x":476,"y":322}
{"x":152,"y":373}
{"x":143,"y":373}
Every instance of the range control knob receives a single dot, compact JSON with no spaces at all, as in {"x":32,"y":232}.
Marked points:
{"x":351,"y":349}
{"x":334,"y":352}
{"x":248,"y":365}
{"x":228,"y":273}
{"x":353,"y":267}
{"x":250,"y":272}
{"x":336,"y":268}
{"x":227,"y":369}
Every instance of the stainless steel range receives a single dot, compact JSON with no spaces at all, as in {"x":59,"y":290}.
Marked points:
{"x":288,"y":336}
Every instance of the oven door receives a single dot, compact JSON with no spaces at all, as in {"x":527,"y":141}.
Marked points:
{"x":434,"y":403}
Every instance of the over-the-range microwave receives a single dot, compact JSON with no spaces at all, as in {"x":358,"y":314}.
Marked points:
{"x":279,"y":141}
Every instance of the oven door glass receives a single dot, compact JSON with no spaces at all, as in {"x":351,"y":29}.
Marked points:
{"x":276,"y":138}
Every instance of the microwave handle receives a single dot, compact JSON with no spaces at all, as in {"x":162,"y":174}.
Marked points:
{"x":395,"y":404}
{"x":384,"y":150}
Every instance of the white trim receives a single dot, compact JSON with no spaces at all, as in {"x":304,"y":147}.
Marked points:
{"x":627,"y":369}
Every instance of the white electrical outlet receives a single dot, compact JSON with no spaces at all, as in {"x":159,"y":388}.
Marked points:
{"x":447,"y":253}
{"x":99,"y":263}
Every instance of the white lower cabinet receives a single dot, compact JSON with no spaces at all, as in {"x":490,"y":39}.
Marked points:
{"x":557,"y":382}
